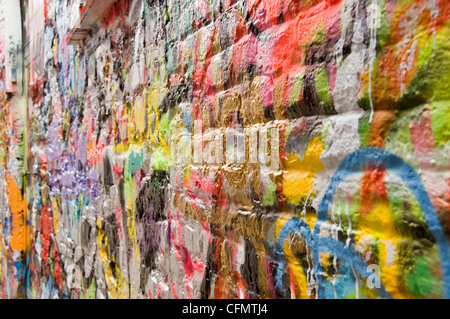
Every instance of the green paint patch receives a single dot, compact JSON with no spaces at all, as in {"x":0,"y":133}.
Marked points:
{"x":161,"y":161}
{"x":319,"y":35}
{"x":190,"y":69}
{"x":433,"y":76}
{"x":325,"y":132}
{"x":135,"y":160}
{"x":383,"y":29}
{"x":216,"y":44}
{"x":288,"y":130}
{"x":171,"y":58}
{"x":404,"y":206}
{"x":2,"y":156}
{"x":440,"y":122}
{"x":296,"y":89}
{"x":421,"y":280}
{"x":51,"y":265}
{"x":90,"y":292}
{"x":187,"y":25}
{"x":165,"y":126}
{"x":363,"y":130}
{"x":157,"y":181}
{"x":203,"y":43}
{"x":269,"y":196}
{"x":166,"y":15}
{"x":353,"y":213}
{"x":128,"y":185}
{"x":323,"y":89}
{"x":398,"y":138}
{"x":364,"y":101}
{"x":125,"y":75}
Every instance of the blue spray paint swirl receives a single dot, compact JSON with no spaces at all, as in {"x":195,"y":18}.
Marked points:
{"x":356,"y":162}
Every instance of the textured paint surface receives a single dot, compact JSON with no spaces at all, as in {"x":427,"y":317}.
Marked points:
{"x":232,"y":149}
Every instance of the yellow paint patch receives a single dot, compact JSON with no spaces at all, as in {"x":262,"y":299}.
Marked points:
{"x":116,"y":285}
{"x":154,"y":133}
{"x":379,"y":223}
{"x":140,"y":114}
{"x":391,"y":276}
{"x":301,"y":284}
{"x":311,"y":219}
{"x":299,"y":175}
{"x":55,"y":215}
{"x":279,"y":224}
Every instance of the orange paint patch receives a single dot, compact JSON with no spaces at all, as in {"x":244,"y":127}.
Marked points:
{"x":18,"y":206}
{"x":379,"y":127}
{"x":291,"y":36}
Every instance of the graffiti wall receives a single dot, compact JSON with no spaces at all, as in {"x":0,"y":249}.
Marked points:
{"x":235,"y":149}
{"x":14,"y":184}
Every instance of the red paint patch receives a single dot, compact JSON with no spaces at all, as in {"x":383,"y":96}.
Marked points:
{"x":117,"y":170}
{"x":373,"y":188}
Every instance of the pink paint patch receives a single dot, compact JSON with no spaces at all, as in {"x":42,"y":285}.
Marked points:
{"x":207,"y":232}
{"x":188,"y":289}
{"x":187,"y":263}
{"x":252,"y":50}
{"x":139,"y":175}
{"x":202,"y":183}
{"x":158,"y":294}
{"x":174,"y":291}
{"x":423,"y":141}
{"x":332,"y":77}
{"x":349,"y":195}
{"x":199,"y":266}
{"x":267,"y":90}
{"x":333,"y":21}
{"x":235,"y":252}
{"x":119,"y":228}
{"x":269,"y":276}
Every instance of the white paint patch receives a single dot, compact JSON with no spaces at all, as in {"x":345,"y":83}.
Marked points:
{"x":349,"y":70}
{"x":390,"y":251}
{"x":342,"y":139}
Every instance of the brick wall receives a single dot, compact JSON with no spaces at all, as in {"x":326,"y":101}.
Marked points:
{"x":243,"y":149}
